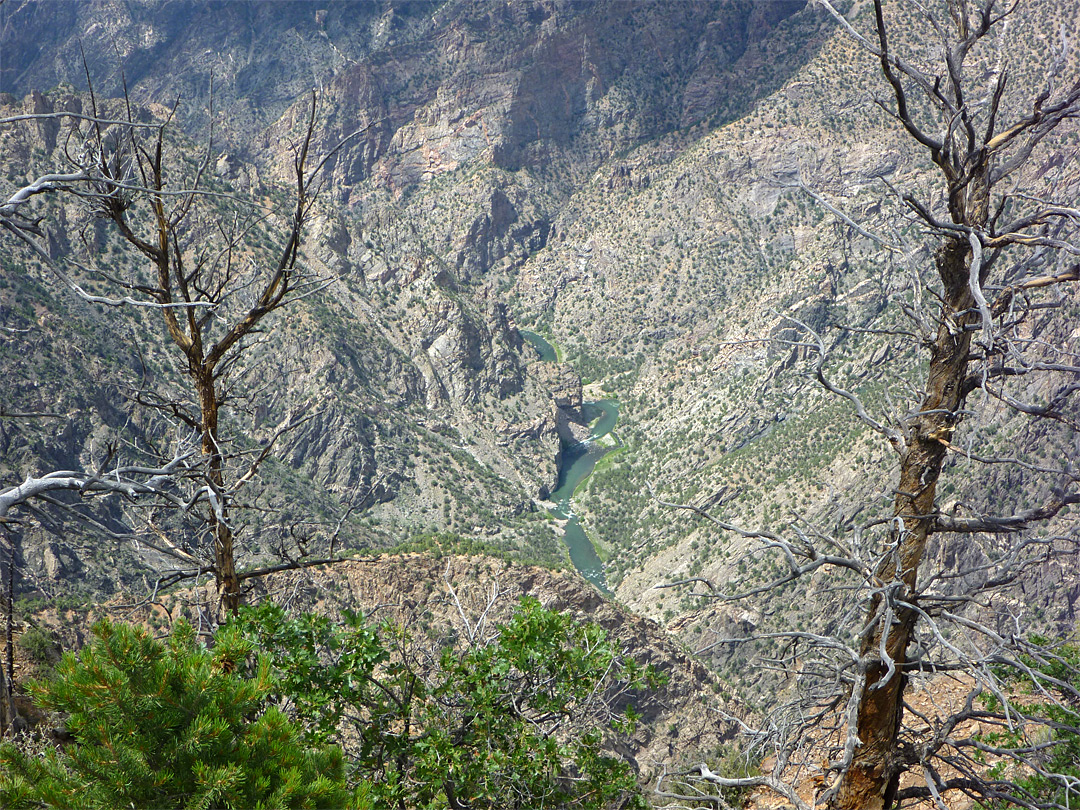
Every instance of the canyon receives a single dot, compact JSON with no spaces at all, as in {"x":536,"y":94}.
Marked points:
{"x":527,"y":209}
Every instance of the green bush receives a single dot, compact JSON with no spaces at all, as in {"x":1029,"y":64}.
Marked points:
{"x":172,"y":725}
{"x":524,"y":718}
{"x":1051,"y":729}
{"x":37,"y":645}
{"x":521,"y":721}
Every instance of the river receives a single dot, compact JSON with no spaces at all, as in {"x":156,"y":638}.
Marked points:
{"x":576,"y":464}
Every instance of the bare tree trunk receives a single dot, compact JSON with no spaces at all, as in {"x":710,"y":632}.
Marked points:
{"x":7,"y":672}
{"x":872,"y":780}
{"x":225,"y":558}
{"x":9,"y":630}
{"x":224,"y":552}
{"x":6,"y":712}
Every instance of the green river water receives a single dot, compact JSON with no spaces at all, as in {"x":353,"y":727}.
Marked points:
{"x":575,"y":465}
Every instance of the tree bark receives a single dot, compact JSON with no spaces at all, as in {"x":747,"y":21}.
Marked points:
{"x":224,"y":552}
{"x":7,"y":671}
{"x":873,"y":778}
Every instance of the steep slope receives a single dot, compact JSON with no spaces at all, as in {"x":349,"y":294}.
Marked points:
{"x":671,"y":288}
{"x":474,"y":125}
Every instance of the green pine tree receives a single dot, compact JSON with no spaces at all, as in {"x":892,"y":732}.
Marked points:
{"x":173,"y":725}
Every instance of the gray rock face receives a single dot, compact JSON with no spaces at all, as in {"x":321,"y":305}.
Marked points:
{"x":58,"y":563}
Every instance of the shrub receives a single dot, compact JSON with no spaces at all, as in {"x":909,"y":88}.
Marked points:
{"x":37,"y":645}
{"x":168,"y":726}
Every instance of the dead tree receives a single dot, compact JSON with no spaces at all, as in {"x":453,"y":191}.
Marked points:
{"x":991,"y":241}
{"x":131,"y":482}
{"x":995,"y":268}
{"x":212,"y":281}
